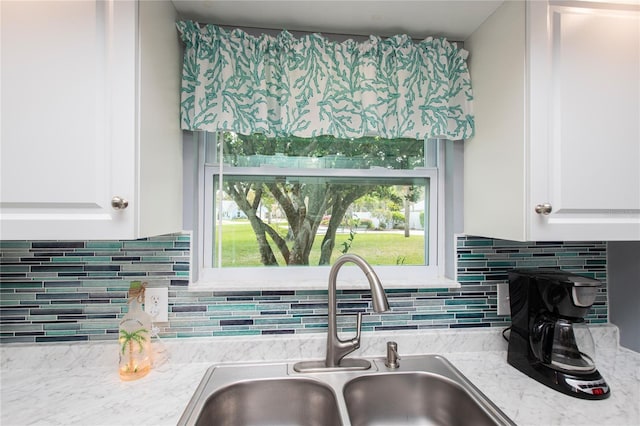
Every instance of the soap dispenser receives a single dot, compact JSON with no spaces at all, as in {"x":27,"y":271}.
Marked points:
{"x":135,"y":351}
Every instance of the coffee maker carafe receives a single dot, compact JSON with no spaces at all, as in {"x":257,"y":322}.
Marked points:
{"x":549,"y":340}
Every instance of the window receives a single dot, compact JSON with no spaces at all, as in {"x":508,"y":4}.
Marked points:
{"x":279,"y":211}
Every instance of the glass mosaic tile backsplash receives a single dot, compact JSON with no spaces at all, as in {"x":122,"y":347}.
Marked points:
{"x":54,"y":291}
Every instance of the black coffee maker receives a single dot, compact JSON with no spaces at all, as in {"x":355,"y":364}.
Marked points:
{"x":549,"y":340}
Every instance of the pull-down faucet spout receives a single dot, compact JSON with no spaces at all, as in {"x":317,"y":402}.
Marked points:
{"x":336,"y":348}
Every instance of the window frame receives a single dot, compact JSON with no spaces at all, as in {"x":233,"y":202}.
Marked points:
{"x":204,"y":276}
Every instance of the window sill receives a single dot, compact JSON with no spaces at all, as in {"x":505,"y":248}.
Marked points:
{"x":320,"y":284}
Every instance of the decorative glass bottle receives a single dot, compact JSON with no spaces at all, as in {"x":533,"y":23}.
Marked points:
{"x":135,"y":337}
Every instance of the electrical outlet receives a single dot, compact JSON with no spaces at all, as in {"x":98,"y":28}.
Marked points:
{"x":504,"y":308}
{"x":156,"y":303}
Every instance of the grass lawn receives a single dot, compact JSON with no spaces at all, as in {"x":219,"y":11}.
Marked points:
{"x":239,"y":246}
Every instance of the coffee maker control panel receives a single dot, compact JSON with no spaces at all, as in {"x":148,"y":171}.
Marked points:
{"x":592,"y":387}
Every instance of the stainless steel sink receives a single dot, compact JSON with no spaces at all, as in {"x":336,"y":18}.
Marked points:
{"x":423,"y":390}
{"x":412,"y":398}
{"x":288,"y":401}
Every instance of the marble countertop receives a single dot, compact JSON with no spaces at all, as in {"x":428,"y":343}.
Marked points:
{"x":78,"y":384}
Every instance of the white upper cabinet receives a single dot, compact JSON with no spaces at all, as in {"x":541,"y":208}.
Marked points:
{"x":557,"y":104}
{"x":90,"y":112}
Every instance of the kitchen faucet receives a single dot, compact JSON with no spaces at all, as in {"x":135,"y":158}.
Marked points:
{"x":337,"y":349}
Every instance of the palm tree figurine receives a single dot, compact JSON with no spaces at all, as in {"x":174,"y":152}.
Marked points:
{"x":134,"y":337}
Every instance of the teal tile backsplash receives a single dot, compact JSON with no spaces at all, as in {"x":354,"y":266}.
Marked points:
{"x":54,"y":291}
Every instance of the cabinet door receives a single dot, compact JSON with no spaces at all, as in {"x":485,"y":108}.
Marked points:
{"x":584,"y":129}
{"x":68,"y":119}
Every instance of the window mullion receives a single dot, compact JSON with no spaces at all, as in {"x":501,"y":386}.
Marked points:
{"x":282,"y":171}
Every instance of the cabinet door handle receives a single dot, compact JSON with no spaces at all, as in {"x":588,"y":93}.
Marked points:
{"x":119,"y":203}
{"x":544,"y":209}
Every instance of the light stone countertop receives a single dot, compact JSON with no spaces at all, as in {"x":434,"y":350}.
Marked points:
{"x":78,"y":384}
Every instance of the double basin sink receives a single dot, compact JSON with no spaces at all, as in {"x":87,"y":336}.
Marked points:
{"x":422,"y":390}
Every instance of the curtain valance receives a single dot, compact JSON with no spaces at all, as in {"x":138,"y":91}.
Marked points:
{"x":312,"y":86}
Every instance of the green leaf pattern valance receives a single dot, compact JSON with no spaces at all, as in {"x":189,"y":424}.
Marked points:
{"x":311,"y":86}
